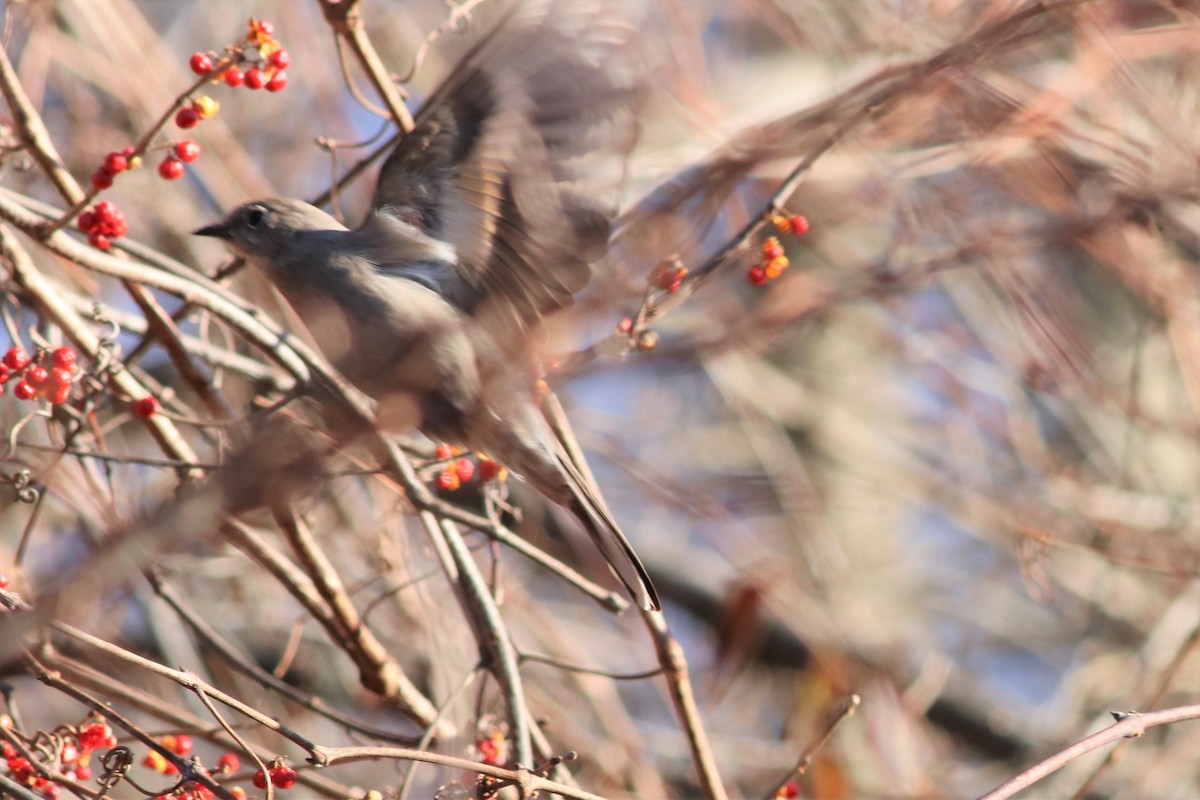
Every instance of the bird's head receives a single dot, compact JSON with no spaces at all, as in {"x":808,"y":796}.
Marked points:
{"x":268,"y":229}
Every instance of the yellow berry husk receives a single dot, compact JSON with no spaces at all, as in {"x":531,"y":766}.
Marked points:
{"x":206,"y":107}
{"x":775,"y":267}
{"x":781,"y":222}
{"x":135,"y":162}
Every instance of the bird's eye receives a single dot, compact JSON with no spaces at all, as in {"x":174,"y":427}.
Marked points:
{"x":255,"y":216}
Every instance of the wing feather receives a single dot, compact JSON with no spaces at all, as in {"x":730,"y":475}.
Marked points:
{"x":517,"y":158}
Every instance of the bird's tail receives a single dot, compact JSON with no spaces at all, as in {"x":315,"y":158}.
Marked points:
{"x":591,"y":511}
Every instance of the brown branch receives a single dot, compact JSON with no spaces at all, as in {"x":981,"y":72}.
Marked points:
{"x":345,"y":18}
{"x":675,"y":670}
{"x":1129,"y":725}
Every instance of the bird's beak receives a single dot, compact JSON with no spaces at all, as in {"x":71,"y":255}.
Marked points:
{"x":219,"y":229}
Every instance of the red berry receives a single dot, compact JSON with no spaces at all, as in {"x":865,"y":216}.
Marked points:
{"x":228,"y":764}
{"x":24,"y":391}
{"x":757,"y":276}
{"x":255,"y":78}
{"x":771,"y":248}
{"x":488,"y":469}
{"x":283,"y":776}
{"x":187,"y":151}
{"x":102,"y":178}
{"x":5,"y":373}
{"x":799,"y":225}
{"x":260,"y":780}
{"x":60,"y":391}
{"x":96,"y":735}
{"x":669,"y":275}
{"x":187,"y":117}
{"x":83,"y":772}
{"x":87,"y":221}
{"x":147,"y":407}
{"x":36,"y":376}
{"x":790,"y":791}
{"x":171,"y":169}
{"x":116,"y":162}
{"x":64,"y":358}
{"x":264,"y":27}
{"x":200,"y":63}
{"x":183,"y":744}
{"x":280,"y":59}
{"x":16,"y":358}
{"x":625,"y":325}
{"x":234,"y":77}
{"x":464,"y":469}
{"x":9,"y":750}
{"x":448,"y":480}
{"x":99,"y":241}
{"x":277,"y":82}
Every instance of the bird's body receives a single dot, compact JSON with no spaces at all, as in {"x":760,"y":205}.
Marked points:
{"x":485,"y":217}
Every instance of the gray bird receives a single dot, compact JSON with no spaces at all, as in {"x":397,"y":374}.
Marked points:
{"x":486,"y":217}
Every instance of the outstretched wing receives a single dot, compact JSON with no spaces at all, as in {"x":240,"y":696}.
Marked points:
{"x":516,"y":160}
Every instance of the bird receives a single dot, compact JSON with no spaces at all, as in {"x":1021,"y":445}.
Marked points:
{"x":486,"y":218}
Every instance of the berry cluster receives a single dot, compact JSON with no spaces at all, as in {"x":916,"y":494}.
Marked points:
{"x":47,"y":374}
{"x":261,"y":64}
{"x":282,"y":777}
{"x":773,"y":261}
{"x":493,"y":749}
{"x":459,"y":470}
{"x":795,"y":224}
{"x":186,"y":151}
{"x":669,"y":275}
{"x":180,"y":745}
{"x":115,"y":163}
{"x":74,"y":755}
{"x":103,"y":223}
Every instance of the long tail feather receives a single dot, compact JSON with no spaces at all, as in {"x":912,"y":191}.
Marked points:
{"x":607,"y":535}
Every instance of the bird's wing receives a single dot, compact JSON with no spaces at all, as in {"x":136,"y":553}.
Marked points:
{"x":517,"y":158}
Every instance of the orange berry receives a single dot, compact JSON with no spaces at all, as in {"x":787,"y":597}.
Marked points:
{"x":775,"y":267}
{"x":448,"y":479}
